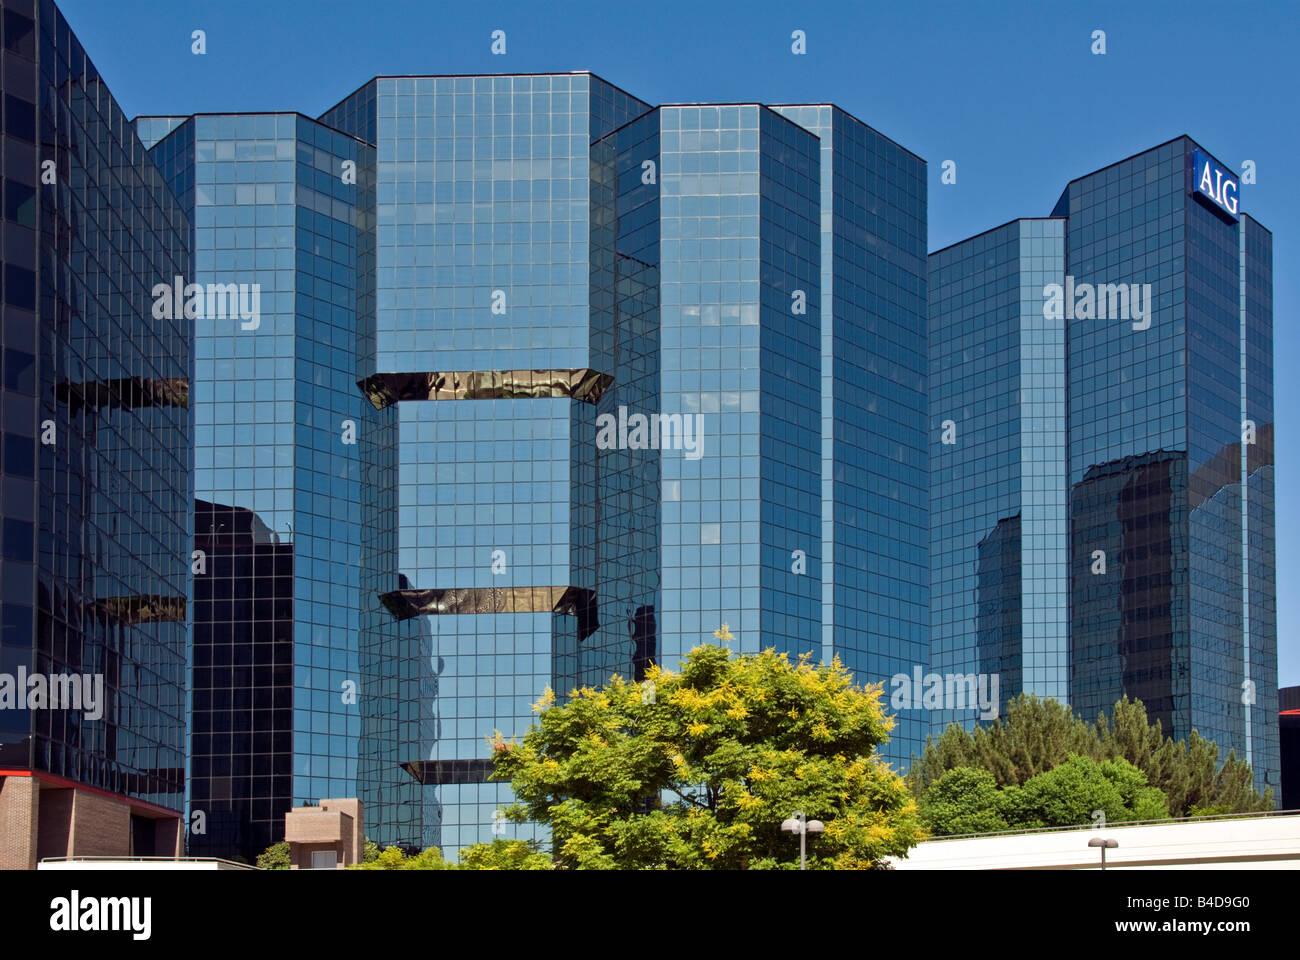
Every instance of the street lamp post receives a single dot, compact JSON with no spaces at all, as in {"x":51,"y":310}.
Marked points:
{"x":1104,"y":845}
{"x":801,"y":825}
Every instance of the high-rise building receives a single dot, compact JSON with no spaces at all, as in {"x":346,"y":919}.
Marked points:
{"x":96,"y":495}
{"x":283,"y":256}
{"x":515,"y":382}
{"x":485,"y":368}
{"x":874,"y":452}
{"x":623,"y":418}
{"x":1164,"y":297}
{"x":998,"y":533}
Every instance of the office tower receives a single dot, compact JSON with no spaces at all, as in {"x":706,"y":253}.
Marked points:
{"x":618,"y":421}
{"x":738,"y":259}
{"x":1170,"y":451}
{"x":1166,"y":304}
{"x":874,"y":452}
{"x":482,"y":368}
{"x":282,"y":255}
{"x":998,"y":536}
{"x":97,"y":494}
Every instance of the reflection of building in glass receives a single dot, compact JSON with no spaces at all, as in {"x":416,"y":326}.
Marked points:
{"x":95,"y":458}
{"x":569,"y":251}
{"x":998,"y":588}
{"x":1130,"y":586}
{"x":998,"y":538}
{"x":1167,"y":443}
{"x":279,"y":201}
{"x":241,"y":719}
{"x":874,"y":554}
{"x":1171,"y":397}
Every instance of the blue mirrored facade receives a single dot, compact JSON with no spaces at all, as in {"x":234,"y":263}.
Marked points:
{"x":1166,"y":495}
{"x":1171,"y":458}
{"x":278,"y":210}
{"x":999,"y":543}
{"x":554,"y":260}
{"x":96,"y":459}
{"x":739,"y":333}
{"x":484,"y":367}
{"x":874,"y":500}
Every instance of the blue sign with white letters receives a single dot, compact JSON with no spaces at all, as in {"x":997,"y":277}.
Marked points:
{"x":1215,"y":184}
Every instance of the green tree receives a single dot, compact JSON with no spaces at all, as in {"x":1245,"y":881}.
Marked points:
{"x":701,"y":774}
{"x":1071,"y":793}
{"x":967,"y":800}
{"x":395,"y":858}
{"x":1141,"y":802}
{"x":1037,"y":735}
{"x":963,"y":800}
{"x":370,"y":852}
{"x":503,"y":854}
{"x":1033,"y":737}
{"x":274,"y":857}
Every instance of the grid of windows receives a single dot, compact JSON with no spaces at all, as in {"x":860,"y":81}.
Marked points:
{"x":278,"y":417}
{"x":875,"y":501}
{"x":1129,"y":439}
{"x":1157,"y":463}
{"x":97,"y":428}
{"x":622,"y":486}
{"x":1259,"y":574}
{"x":739,"y":249}
{"x":483,"y":262}
{"x":997,"y":417}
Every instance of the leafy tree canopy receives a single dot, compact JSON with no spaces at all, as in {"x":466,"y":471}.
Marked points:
{"x":274,"y":857}
{"x":503,"y":854}
{"x":698,"y":769}
{"x":395,"y":858}
{"x":1037,"y":735}
{"x":1073,"y":793}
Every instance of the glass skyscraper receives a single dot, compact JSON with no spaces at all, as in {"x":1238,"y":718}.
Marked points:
{"x":489,"y":384}
{"x":555,"y":259}
{"x":278,"y":206}
{"x":1171,"y":457}
{"x":998,"y":537}
{"x":1164,"y":298}
{"x":95,"y":466}
{"x":874,"y":454}
{"x":519,"y":271}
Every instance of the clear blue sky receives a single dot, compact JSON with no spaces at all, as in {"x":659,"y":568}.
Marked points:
{"x":1008,"y":90}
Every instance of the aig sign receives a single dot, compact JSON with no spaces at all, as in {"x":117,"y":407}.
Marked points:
{"x":1214,"y":184}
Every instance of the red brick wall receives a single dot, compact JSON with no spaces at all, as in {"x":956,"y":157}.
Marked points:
{"x":40,"y":820}
{"x":54,"y":836}
{"x":19,"y":805}
{"x":300,"y":853}
{"x":100,"y":827}
{"x":167,"y":837}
